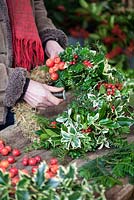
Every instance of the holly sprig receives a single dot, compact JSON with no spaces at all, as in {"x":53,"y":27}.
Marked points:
{"x":97,"y":117}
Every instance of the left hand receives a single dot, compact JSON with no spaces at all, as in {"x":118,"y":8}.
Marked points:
{"x":53,"y":48}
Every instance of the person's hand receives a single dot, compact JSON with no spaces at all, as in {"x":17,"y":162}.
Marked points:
{"x":52,"y":49}
{"x":39,"y":95}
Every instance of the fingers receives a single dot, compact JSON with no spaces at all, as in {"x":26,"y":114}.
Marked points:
{"x":52,"y":88}
{"x":54,"y":99}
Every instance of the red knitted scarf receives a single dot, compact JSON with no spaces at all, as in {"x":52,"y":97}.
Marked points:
{"x":27,"y":47}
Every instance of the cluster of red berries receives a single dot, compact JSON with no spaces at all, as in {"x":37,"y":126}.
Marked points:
{"x":87,"y":63}
{"x":53,"y":124}
{"x":74,"y":61}
{"x":6,"y":163}
{"x":87,"y":131}
{"x":52,"y":169}
{"x":54,"y":65}
{"x":110,"y":88}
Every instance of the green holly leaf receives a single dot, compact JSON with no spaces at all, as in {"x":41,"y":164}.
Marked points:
{"x":102,"y":111}
{"x":102,"y":89}
{"x":39,"y":177}
{"x":4,"y":179}
{"x":125,"y":121}
{"x":22,"y":194}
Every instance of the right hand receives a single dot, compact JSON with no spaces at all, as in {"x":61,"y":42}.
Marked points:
{"x":39,"y":95}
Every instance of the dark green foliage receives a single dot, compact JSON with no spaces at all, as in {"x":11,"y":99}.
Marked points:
{"x":108,"y":169}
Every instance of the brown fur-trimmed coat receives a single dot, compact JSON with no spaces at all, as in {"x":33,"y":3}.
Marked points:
{"x":14,"y":79}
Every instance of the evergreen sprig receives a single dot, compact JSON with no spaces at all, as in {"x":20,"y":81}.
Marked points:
{"x":108,"y":169}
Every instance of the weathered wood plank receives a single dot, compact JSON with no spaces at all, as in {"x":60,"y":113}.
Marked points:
{"x":14,"y":137}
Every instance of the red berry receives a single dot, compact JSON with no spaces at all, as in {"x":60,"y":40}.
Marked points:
{"x":57,"y":60}
{"x":53,"y":124}
{"x":25,"y":161}
{"x":32,"y":161}
{"x":13,"y":170}
{"x":53,"y":161}
{"x":71,"y":63}
{"x":54,"y":76}
{"x":4,"y":164}
{"x":1,"y":146}
{"x":4,"y":151}
{"x":51,"y":70}
{"x":55,"y":67}
{"x":11,"y":159}
{"x":2,"y":141}
{"x":49,"y":62}
{"x":49,"y":174}
{"x":16,"y":152}
{"x":54,"y":168}
{"x":38,"y":159}
{"x":76,"y":56}
{"x":15,"y":180}
{"x":11,"y":174}
{"x":61,"y":65}
{"x":9,"y":148}
{"x":34,"y":169}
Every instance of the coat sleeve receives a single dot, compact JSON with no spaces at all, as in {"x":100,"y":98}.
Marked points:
{"x":46,"y":28}
{"x":12,"y":86}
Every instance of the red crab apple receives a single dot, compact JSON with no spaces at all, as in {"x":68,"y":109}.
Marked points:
{"x":25,"y":161}
{"x":49,"y":62}
{"x":2,"y":141}
{"x":11,"y":174}
{"x":49,"y":174}
{"x":34,"y":169}
{"x":1,"y":146}
{"x":11,"y":159}
{"x":13,"y":170}
{"x":61,"y":65}
{"x":4,"y":164}
{"x":54,"y":76}
{"x":16,"y":152}
{"x":57,"y":60}
{"x":53,"y":161}
{"x":32,"y":161}
{"x":54,"y":168}
{"x":4,"y":151}
{"x":15,"y":180}
{"x":38,"y":159}
{"x":9,"y":148}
